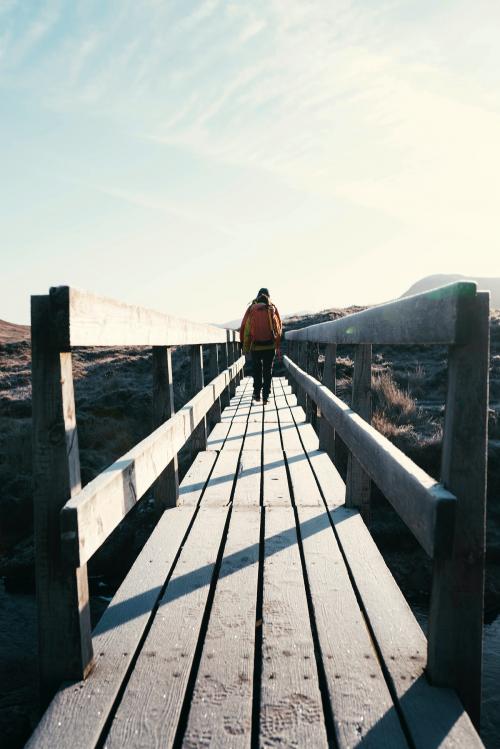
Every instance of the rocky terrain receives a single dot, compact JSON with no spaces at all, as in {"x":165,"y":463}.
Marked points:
{"x":113,"y":395}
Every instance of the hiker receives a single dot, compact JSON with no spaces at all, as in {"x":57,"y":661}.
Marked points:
{"x":260,"y":334}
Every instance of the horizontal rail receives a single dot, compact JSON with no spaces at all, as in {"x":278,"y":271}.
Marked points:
{"x":83,"y":319}
{"x":435,"y":316}
{"x":89,"y":517}
{"x":423,"y":504}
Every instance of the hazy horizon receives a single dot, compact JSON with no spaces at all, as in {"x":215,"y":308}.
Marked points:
{"x":179,"y":156}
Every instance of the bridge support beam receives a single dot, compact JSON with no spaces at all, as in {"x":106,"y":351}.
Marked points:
{"x":327,"y":432}
{"x":214,"y":415}
{"x":457,"y":609}
{"x":64,"y":629}
{"x":199,"y":436}
{"x":166,"y":487}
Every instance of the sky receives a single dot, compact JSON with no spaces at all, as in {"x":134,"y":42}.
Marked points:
{"x":180,"y":154}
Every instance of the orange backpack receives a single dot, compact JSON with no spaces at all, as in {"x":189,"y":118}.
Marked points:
{"x":264,"y":324}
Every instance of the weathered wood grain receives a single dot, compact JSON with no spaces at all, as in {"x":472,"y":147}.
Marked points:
{"x":217,"y":436}
{"x":411,"y":320}
{"x":220,"y":485}
{"x":195,"y":480}
{"x":304,"y":487}
{"x":166,"y":487}
{"x":78,"y":713}
{"x":149,"y":710}
{"x":84,"y":319}
{"x":423,"y":504}
{"x":221,"y":707}
{"x":457,"y":606}
{"x":434,"y":716}
{"x":276,"y":492}
{"x":362,"y":707}
{"x":329,"y":479}
{"x":297,"y":437}
{"x":291,"y":711}
{"x":64,"y":639}
{"x":247,"y":489}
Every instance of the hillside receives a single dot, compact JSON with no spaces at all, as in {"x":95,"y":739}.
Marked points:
{"x":11,"y":333}
{"x":432,"y":282}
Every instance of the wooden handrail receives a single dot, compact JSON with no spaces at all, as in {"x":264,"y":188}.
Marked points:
{"x":424,"y":505}
{"x":84,"y":319}
{"x":60,"y":320}
{"x":456,"y":315}
{"x":90,"y":516}
{"x":431,"y":317}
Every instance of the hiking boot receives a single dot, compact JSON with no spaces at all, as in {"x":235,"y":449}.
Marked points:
{"x":265,"y":401}
{"x":256,"y":396}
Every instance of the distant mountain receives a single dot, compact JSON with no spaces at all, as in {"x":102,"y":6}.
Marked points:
{"x":484,"y":284}
{"x":10,"y":332}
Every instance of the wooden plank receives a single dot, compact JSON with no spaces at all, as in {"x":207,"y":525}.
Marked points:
{"x":358,"y":483}
{"x":221,"y":706}
{"x":272,"y":437}
{"x":166,"y":487}
{"x":330,"y":481}
{"x":219,"y":488}
{"x":84,"y":319}
{"x":276,"y":491}
{"x":296,"y":436}
{"x":92,"y":514}
{"x":434,"y":716}
{"x":253,"y":436}
{"x":304,"y":487}
{"x":149,"y":710}
{"x":362,"y":707}
{"x":457,"y":605}
{"x":291,"y":712}
{"x":236,"y":435}
{"x":423,"y":504}
{"x":217,"y":436}
{"x":78,"y":712}
{"x":295,"y":415}
{"x":405,"y":321}
{"x":193,"y":483}
{"x":64,"y":639}
{"x":247,"y":489}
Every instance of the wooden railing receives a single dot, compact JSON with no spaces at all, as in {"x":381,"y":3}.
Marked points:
{"x":447,"y":517}
{"x":71,"y":523}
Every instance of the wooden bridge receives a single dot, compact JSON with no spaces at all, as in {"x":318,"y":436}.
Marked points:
{"x":260,"y":612}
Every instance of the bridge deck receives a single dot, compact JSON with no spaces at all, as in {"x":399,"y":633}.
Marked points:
{"x":260,"y":612}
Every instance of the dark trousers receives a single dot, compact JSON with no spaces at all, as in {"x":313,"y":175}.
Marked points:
{"x":262,"y":365}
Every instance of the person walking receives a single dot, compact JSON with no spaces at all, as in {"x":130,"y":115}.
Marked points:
{"x":260,"y":334}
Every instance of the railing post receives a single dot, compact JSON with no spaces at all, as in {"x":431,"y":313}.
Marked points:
{"x":327,"y":432}
{"x":224,"y":363}
{"x":456,"y":612}
{"x":311,"y":367}
{"x":199,"y":436}
{"x":166,"y":487}
{"x":213,"y":416}
{"x":231,"y":360}
{"x":358,"y":483}
{"x":64,"y":630}
{"x":302,"y":363}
